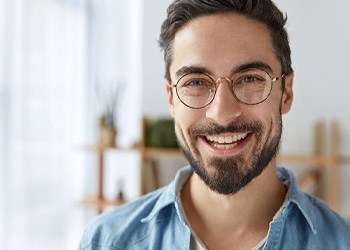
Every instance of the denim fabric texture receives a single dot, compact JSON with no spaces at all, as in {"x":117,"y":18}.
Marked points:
{"x":154,"y":221}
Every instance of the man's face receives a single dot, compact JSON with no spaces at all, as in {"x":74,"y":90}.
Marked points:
{"x":227,"y":143}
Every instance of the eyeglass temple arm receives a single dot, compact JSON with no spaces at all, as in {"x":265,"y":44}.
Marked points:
{"x":278,"y":78}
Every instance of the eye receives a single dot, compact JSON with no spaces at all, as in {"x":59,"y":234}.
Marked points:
{"x":197,"y":83}
{"x":191,"y":81}
{"x":250,"y":79}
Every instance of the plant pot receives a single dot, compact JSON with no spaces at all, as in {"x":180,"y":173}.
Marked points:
{"x":107,"y":137}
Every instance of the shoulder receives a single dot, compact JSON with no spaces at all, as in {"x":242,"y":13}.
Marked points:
{"x":308,"y":220}
{"x":114,"y":229}
{"x":325,"y":219}
{"x":316,"y":224}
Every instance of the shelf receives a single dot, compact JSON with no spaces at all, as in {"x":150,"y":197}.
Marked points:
{"x":154,"y":152}
{"x":101,"y":148}
{"x":311,"y":160}
{"x":100,"y":203}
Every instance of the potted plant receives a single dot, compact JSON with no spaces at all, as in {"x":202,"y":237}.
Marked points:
{"x":109,"y":100}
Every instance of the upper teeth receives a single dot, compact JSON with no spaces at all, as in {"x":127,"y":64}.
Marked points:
{"x":226,"y":139}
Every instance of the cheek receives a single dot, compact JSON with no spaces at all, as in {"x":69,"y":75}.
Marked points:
{"x":185,"y":118}
{"x":275,"y":99}
{"x":268,"y":113}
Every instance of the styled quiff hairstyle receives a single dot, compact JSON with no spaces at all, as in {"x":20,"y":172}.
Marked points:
{"x":180,"y":12}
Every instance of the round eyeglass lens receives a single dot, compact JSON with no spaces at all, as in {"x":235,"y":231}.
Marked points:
{"x":195,"y":90}
{"x":252,"y":86}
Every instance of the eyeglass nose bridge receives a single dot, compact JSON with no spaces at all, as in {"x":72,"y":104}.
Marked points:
{"x":223,"y":78}
{"x":231,"y":87}
{"x":231,"y":84}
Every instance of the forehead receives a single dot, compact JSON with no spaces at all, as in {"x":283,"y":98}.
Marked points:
{"x":222,"y":42}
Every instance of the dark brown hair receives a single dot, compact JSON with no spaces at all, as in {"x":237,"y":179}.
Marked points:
{"x":181,"y":12}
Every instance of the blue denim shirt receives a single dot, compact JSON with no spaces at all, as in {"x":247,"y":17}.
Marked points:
{"x":155,"y":221}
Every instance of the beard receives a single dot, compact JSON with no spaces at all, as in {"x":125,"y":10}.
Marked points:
{"x":228,"y":175}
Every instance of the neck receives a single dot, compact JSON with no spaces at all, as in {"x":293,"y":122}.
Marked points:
{"x":244,"y":214}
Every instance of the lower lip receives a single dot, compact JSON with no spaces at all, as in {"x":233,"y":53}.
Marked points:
{"x":227,"y":152}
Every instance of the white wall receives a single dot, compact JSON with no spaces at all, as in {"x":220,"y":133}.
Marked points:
{"x":115,"y":57}
{"x":319,"y":35}
{"x":154,"y":99}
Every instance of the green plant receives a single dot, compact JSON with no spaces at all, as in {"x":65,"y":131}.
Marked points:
{"x":161,"y":133}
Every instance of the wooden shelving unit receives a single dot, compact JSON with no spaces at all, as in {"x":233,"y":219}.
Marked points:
{"x":326,"y":162}
{"x":99,"y":201}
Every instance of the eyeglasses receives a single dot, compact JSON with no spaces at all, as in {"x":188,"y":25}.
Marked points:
{"x":251,"y":86}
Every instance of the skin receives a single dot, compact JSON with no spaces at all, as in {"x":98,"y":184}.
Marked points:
{"x":221,"y":43}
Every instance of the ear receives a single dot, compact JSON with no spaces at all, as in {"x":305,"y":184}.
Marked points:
{"x":287,"y":96}
{"x":170,"y":97}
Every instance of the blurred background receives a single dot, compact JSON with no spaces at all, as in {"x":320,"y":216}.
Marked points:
{"x":72,"y":69}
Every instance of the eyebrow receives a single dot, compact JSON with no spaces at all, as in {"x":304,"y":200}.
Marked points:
{"x":203,"y":70}
{"x":249,"y":65}
{"x":192,"y":69}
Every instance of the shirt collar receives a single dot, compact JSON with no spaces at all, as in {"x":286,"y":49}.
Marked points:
{"x":171,"y":193}
{"x":299,"y":198}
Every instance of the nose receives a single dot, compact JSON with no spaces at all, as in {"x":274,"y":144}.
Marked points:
{"x":225,"y":107}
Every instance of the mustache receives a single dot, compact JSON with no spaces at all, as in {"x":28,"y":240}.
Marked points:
{"x":212,"y":128}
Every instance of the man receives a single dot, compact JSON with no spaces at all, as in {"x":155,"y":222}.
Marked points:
{"x":228,"y":81}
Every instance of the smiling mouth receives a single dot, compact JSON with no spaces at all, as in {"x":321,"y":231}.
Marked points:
{"x":225,"y":142}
